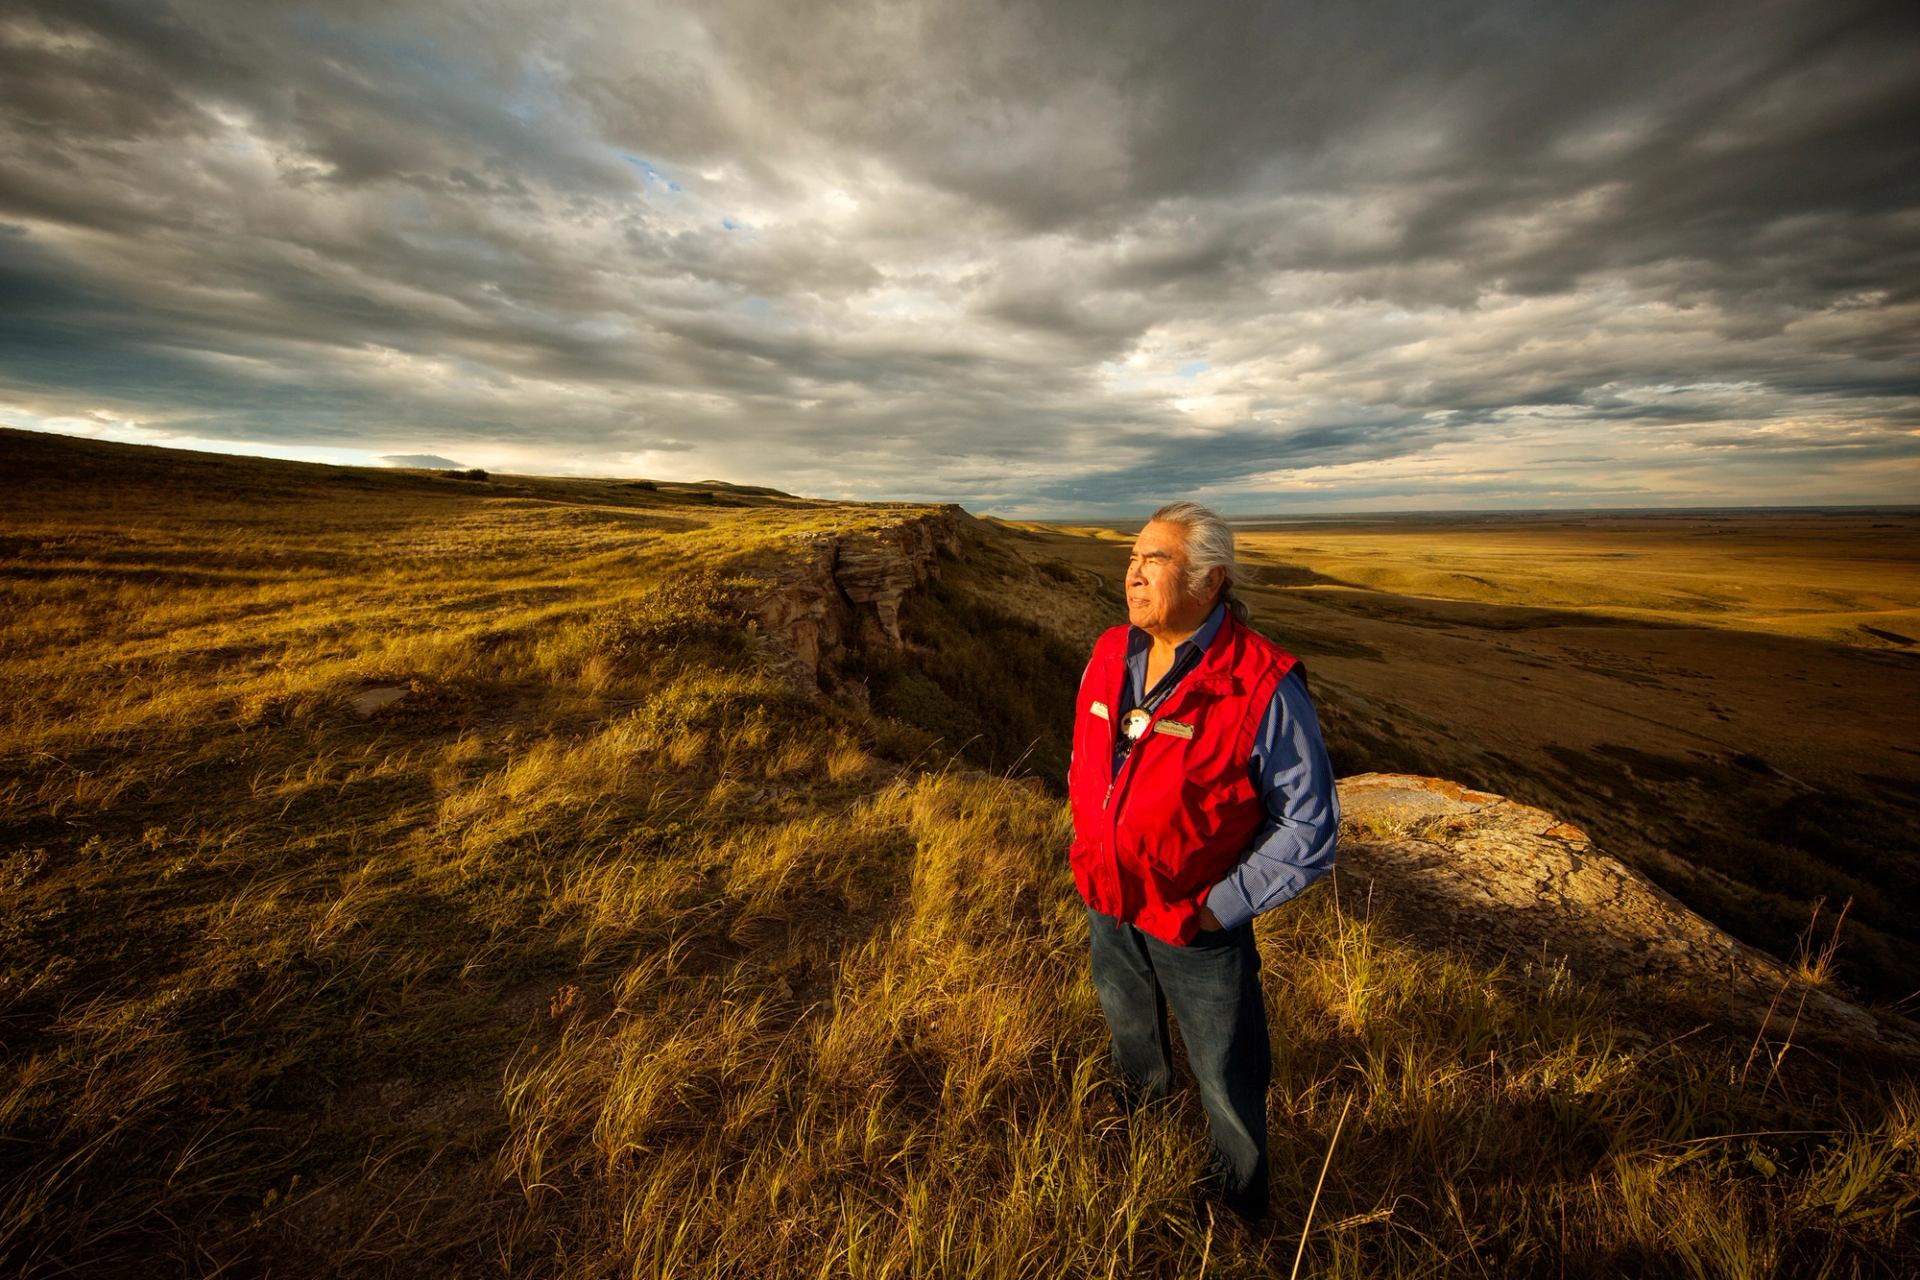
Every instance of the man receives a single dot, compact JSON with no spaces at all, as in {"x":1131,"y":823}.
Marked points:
{"x":1201,"y":797}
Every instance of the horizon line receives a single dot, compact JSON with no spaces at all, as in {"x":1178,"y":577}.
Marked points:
{"x":1080,"y":519}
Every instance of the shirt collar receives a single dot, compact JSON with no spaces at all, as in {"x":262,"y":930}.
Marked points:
{"x":1138,"y":640}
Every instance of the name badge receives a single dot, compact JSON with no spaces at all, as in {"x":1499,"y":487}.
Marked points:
{"x":1174,"y":728}
{"x":1100,"y":709}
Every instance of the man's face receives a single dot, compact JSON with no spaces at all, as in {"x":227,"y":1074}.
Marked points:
{"x":1158,"y":601}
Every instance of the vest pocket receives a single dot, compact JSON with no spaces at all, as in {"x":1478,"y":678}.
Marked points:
{"x":1192,"y":836}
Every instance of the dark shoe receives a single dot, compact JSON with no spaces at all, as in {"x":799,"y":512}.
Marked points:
{"x":1248,"y":1204}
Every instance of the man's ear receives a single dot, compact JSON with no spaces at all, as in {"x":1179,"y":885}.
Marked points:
{"x":1216,"y":579}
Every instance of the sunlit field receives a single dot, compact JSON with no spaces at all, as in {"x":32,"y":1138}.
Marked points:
{"x":607,"y":948}
{"x":1848,"y":577}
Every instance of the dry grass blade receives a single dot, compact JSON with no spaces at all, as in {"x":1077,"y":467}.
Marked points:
{"x":1307,"y":1226}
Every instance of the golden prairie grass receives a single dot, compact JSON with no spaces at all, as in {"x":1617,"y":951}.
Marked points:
{"x":603,"y":952}
{"x":935,"y":1106}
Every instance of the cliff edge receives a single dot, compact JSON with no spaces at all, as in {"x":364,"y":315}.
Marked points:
{"x":842,"y":592}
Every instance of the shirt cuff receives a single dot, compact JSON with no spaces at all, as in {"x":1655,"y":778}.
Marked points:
{"x":1229,"y":906}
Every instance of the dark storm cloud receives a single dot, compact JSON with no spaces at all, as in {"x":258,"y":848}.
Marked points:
{"x":1195,"y":463}
{"x":1064,"y":253}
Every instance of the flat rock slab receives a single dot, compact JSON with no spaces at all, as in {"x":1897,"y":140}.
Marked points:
{"x":1474,"y":872}
{"x":368,"y":701}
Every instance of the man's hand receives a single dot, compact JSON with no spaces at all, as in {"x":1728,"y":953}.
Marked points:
{"x":1209,"y":922}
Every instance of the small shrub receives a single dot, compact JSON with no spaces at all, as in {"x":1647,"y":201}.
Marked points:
{"x":699,"y":608}
{"x":1059,"y":570}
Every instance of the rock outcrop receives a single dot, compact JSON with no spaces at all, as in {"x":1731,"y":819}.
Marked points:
{"x":1474,"y":872}
{"x":842,"y":592}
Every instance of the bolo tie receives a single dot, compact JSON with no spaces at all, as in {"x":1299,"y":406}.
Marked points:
{"x":1133,"y":725}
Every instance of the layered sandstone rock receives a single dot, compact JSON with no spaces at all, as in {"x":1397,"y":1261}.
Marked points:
{"x":1478,"y":873}
{"x":876,"y":569}
{"x":842,"y":592}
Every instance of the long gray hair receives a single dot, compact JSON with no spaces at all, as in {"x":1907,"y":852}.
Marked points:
{"x":1209,"y":547}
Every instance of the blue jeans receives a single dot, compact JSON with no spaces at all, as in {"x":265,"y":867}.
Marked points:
{"x":1213,"y":987}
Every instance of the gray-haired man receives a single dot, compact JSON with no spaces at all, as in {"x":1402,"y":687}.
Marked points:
{"x":1201,"y":796}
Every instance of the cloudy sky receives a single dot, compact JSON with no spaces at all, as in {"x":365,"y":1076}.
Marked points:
{"x":1037,"y":258}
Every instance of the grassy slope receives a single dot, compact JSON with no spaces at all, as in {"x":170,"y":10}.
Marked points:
{"x":603,"y":951}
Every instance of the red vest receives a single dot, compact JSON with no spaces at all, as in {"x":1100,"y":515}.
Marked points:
{"x":1149,"y":842}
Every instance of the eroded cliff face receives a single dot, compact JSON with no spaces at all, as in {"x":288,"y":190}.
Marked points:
{"x":1477,"y":873}
{"x":842,"y":592}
